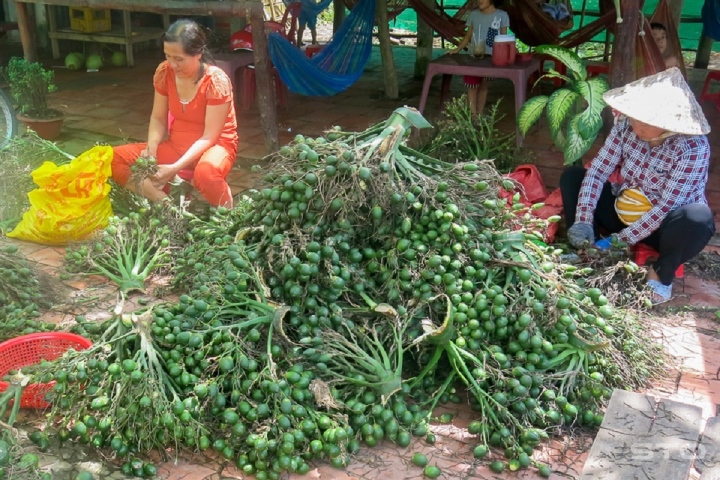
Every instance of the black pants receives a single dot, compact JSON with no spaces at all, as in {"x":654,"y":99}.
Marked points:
{"x":681,"y":235}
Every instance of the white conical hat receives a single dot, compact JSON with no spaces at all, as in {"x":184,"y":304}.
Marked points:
{"x":663,"y":100}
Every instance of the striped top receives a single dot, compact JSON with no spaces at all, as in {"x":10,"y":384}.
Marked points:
{"x":671,"y":175}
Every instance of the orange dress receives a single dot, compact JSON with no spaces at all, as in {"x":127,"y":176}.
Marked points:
{"x":188,"y":125}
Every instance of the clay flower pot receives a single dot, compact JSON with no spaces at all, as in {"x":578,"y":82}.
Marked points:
{"x":46,"y":128}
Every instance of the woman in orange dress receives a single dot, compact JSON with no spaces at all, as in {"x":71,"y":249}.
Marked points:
{"x":203,"y":136}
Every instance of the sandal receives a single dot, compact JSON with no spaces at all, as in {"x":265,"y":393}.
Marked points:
{"x":660,"y":293}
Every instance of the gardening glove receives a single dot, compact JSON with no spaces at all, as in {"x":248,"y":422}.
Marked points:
{"x":581,"y":235}
{"x":604,"y":243}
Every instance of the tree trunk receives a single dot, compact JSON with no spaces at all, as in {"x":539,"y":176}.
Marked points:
{"x":423,"y":52}
{"x":621,"y":62}
{"x":264,"y":81}
{"x":338,"y":14}
{"x":702,"y":59}
{"x":386,"y":53}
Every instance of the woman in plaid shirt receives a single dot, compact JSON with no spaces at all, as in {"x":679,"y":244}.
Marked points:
{"x":662,"y":154}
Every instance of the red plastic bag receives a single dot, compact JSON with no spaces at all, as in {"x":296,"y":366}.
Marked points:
{"x":532,"y":190}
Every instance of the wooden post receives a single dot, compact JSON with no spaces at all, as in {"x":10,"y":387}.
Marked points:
{"x":621,"y":66}
{"x":423,"y":52}
{"x":702,"y":58}
{"x":263,"y":77}
{"x":27,"y":32}
{"x":338,"y":14}
{"x":386,"y":53}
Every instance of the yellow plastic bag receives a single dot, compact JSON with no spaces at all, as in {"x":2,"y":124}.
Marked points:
{"x":71,"y":201}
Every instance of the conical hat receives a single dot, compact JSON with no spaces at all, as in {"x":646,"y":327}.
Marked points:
{"x":663,"y":100}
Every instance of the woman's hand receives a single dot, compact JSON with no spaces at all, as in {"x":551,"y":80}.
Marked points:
{"x":149,"y":152}
{"x":165,"y":173}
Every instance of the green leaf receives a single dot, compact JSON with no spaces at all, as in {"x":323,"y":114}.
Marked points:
{"x":570,"y":59}
{"x":576,"y":145}
{"x":590,"y":120}
{"x":592,"y":91}
{"x":410,"y":115}
{"x":589,"y":124}
{"x":559,"y":138}
{"x":530,"y":112}
{"x":559,"y":105}
{"x":553,"y":74}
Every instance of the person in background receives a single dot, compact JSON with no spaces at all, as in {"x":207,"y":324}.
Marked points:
{"x":307,"y":17}
{"x":483,"y":25}
{"x":659,"y":33}
{"x":663,"y":154}
{"x":203,"y":136}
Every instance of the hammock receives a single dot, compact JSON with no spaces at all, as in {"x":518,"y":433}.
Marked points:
{"x":449,"y":28}
{"x":452,"y":28}
{"x":532,"y":25}
{"x":648,"y":59}
{"x":394,"y":7}
{"x":334,"y":68}
{"x":664,"y":16}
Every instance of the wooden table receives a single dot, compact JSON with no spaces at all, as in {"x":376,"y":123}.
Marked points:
{"x":126,"y":35}
{"x":462,"y":64}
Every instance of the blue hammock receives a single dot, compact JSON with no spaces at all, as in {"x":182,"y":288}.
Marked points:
{"x":334,"y":68}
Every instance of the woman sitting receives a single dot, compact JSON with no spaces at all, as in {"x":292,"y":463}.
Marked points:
{"x":203,"y":136}
{"x":662,"y":152}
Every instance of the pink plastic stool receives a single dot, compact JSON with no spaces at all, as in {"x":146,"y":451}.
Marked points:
{"x":643,"y":253}
{"x":249,"y":89}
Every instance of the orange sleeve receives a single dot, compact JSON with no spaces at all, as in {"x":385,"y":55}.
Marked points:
{"x":220,"y":88}
{"x":160,"y":78}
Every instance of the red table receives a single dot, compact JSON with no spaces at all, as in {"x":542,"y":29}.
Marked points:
{"x":462,"y":64}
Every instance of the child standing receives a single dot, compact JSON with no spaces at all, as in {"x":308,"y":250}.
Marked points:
{"x":307,"y":17}
{"x":483,"y":25}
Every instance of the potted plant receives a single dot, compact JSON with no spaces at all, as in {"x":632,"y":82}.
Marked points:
{"x":574,"y":112}
{"x":30,"y":83}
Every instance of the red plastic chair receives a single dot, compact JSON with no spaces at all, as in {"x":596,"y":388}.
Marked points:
{"x":249,"y":88}
{"x":706,"y":95}
{"x":595,"y":69}
{"x":287,"y":26}
{"x":311,"y":50}
{"x":558,"y":66}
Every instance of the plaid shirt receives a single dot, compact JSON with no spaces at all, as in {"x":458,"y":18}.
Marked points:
{"x":671,"y":175}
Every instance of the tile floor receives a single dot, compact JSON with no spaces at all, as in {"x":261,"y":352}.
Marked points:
{"x":113,"y":106}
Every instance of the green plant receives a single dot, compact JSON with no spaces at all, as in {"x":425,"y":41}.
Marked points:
{"x":461,"y":136}
{"x":30,"y":83}
{"x":573,"y":111}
